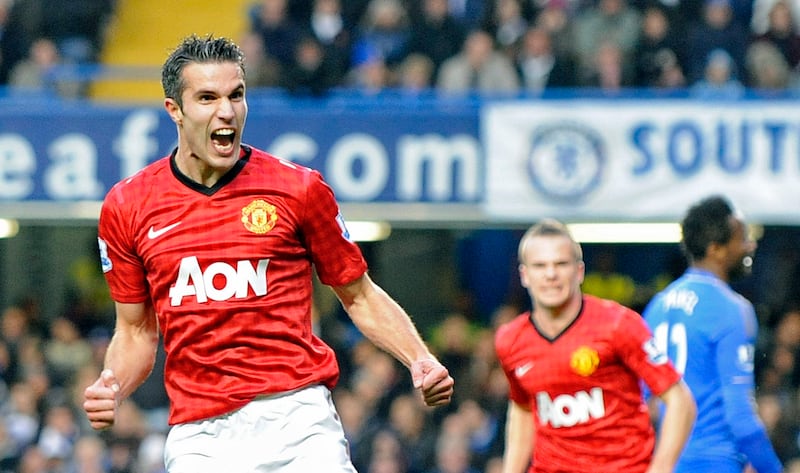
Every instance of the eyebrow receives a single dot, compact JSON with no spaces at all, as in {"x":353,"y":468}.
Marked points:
{"x":238,"y":88}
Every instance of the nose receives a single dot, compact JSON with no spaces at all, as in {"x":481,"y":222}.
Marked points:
{"x":225,"y":109}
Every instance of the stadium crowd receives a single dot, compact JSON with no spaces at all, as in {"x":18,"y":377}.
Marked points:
{"x":707,"y":48}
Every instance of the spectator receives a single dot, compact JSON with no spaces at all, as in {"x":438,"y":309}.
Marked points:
{"x":360,"y":423}
{"x":719,"y":81}
{"x":21,"y":417}
{"x":763,"y":11}
{"x":540,"y":66}
{"x":414,"y":74}
{"x":436,"y":34}
{"x":659,"y":53}
{"x":58,"y":436}
{"x":312,"y":73}
{"x":89,"y":456}
{"x":478,"y":68}
{"x":453,"y":339}
{"x":556,"y":18}
{"x":369,"y":73}
{"x":387,"y":454}
{"x":410,"y":422}
{"x":384,"y":31}
{"x":780,"y":420}
{"x":607,"y":24}
{"x":11,"y":41}
{"x":33,"y":461}
{"x":782,"y":356}
{"x":606,"y":281}
{"x":469,"y":13}
{"x":262,"y":69}
{"x":453,"y":454}
{"x":609,"y":71}
{"x":767,"y":69}
{"x":716,"y":30}
{"x":507,"y":25}
{"x":484,"y":432}
{"x":77,"y":27}
{"x":781,"y":31}
{"x":329,"y":26}
{"x":326,"y":21}
{"x":279,"y":33}
{"x":65,"y":351}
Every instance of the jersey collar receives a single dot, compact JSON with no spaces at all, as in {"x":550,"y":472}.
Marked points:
{"x":244,"y":157}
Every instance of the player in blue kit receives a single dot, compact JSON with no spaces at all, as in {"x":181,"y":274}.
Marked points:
{"x":709,"y":332}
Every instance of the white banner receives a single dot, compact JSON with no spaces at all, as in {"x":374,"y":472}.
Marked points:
{"x":606,"y":160}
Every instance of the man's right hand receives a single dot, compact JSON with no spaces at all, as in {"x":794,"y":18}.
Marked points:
{"x":100,"y":400}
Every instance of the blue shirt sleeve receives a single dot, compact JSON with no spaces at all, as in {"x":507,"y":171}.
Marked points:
{"x":735,"y":367}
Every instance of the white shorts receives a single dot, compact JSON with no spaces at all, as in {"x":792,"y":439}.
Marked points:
{"x":295,"y":432}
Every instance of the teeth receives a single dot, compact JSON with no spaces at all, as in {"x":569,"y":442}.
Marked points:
{"x":224,"y":132}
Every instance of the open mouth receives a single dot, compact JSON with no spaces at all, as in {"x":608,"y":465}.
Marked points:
{"x":223,"y":139}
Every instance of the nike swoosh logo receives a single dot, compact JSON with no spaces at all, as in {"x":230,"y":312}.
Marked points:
{"x":520,"y":371}
{"x":153,"y":233}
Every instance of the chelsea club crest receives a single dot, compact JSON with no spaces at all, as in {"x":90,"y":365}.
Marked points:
{"x":565,"y":161}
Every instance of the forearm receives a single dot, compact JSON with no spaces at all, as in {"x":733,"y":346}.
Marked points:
{"x":760,"y":453}
{"x":131,"y":357}
{"x":131,"y":353}
{"x":387,"y":325}
{"x":518,"y":440}
{"x":676,"y":426}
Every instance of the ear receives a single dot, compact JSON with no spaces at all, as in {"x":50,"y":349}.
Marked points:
{"x":715,"y":251}
{"x":174,"y":111}
{"x":523,"y":277}
{"x":581,"y":271}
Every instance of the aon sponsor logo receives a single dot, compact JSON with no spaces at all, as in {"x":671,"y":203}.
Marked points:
{"x":206,"y":284}
{"x":567,"y":410}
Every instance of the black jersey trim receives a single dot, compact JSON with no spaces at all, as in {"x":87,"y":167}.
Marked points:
{"x":562,"y":332}
{"x":228,"y":177}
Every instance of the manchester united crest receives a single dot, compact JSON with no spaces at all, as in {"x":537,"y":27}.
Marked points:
{"x":584,"y":361}
{"x":259,"y":216}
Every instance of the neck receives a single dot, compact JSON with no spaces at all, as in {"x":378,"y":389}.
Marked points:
{"x":551,"y":321}
{"x":711,"y":268}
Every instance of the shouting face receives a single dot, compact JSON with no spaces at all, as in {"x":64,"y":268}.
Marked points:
{"x":210,"y":121}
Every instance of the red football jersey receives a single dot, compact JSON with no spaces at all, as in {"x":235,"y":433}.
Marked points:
{"x":584,"y":389}
{"x":229,"y":270}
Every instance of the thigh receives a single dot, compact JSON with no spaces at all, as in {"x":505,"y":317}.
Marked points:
{"x":293,"y":433}
{"x":311,"y":435}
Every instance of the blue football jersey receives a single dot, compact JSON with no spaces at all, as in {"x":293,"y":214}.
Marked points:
{"x":709,"y":332}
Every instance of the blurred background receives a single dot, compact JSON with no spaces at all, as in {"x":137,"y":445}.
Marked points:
{"x":446,"y":128}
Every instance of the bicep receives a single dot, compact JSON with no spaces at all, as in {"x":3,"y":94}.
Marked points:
{"x":354,"y":292}
{"x":135,"y":317}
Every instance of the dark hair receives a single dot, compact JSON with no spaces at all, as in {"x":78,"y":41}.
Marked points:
{"x":548,"y":227}
{"x":194,"y":49}
{"x":706,"y":222}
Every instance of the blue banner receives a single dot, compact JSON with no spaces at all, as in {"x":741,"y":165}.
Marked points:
{"x":75,"y":153}
{"x":402,"y":159}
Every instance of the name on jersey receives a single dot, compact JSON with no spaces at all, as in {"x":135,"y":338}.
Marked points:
{"x":205,"y":285}
{"x":567,"y":410}
{"x":681,"y":299}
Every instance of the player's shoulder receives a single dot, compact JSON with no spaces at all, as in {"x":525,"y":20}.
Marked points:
{"x":261,"y":158}
{"x":131,"y":188}
{"x":610,"y":315}
{"x":606,"y":308}
{"x":510,"y":330}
